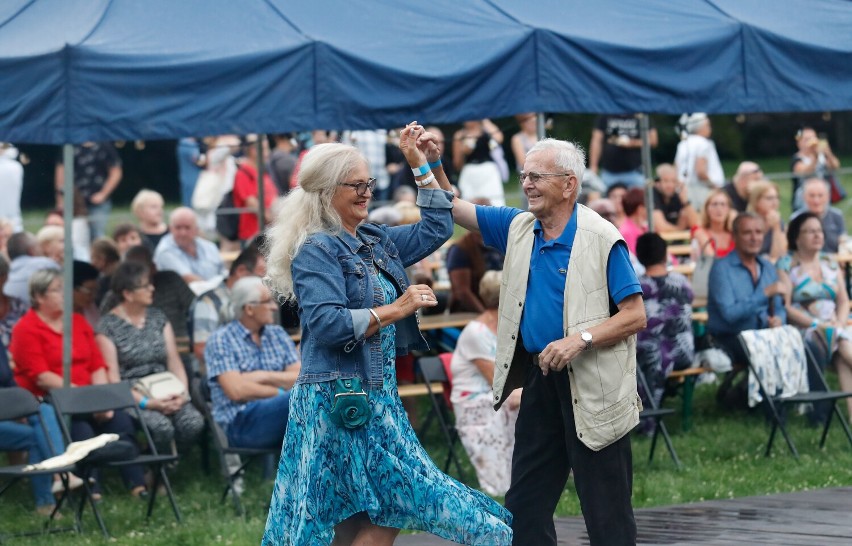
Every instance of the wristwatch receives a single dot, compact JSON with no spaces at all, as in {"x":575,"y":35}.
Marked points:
{"x":586,"y":336}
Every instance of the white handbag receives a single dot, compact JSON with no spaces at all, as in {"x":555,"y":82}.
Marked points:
{"x":160,"y":386}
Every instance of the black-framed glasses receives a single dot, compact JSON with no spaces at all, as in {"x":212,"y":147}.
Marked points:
{"x":362,"y":187}
{"x":535,"y":177}
{"x":146,"y":286}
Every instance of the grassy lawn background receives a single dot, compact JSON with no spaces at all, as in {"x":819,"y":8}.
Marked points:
{"x":722,"y":457}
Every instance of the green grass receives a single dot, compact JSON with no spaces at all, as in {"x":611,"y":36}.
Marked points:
{"x":722,"y":457}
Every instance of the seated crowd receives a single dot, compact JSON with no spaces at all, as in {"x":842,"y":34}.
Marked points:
{"x":160,"y":296}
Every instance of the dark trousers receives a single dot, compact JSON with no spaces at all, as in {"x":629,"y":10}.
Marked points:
{"x":546,"y":449}
{"x":84,"y":427}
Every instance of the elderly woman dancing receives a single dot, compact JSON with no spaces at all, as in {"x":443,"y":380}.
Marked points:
{"x":351,"y":469}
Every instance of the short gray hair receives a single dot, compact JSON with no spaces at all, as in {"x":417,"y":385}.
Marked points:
{"x":816,"y":181}
{"x":245,"y":291}
{"x":489,"y":289}
{"x":40,"y":281}
{"x":567,"y":155}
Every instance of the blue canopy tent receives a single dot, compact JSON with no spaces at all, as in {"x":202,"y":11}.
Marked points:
{"x":78,"y":70}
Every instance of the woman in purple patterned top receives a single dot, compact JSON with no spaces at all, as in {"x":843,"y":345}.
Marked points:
{"x":667,"y":342}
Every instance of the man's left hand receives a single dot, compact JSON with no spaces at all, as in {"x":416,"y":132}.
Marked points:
{"x":559,"y":353}
{"x":774,"y":322}
{"x":98,"y":198}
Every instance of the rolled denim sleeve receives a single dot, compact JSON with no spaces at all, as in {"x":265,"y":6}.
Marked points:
{"x":434,"y":199}
{"x":360,"y":322}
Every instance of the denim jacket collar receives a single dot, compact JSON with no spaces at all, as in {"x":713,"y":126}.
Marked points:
{"x":355,"y":243}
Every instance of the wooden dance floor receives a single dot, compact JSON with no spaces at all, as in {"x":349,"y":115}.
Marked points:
{"x":809,"y":518}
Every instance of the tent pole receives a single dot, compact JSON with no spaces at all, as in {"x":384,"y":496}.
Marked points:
{"x":539,"y":125}
{"x":646,"y":168}
{"x":261,"y":198}
{"x":68,"y":269}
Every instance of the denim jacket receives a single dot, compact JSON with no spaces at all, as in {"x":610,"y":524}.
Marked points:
{"x":334,"y":288}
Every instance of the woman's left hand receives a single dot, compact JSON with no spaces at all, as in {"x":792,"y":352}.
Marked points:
{"x":415,"y":297}
{"x":408,"y":145}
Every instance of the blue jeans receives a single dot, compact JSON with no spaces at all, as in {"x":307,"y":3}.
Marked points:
{"x":261,"y":424}
{"x":98,"y":218}
{"x":631,"y":179}
{"x":30,"y":437}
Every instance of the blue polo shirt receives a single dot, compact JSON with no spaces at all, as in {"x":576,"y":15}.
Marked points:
{"x":541,"y":322}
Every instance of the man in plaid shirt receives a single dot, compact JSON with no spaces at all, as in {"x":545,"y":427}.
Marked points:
{"x":251,"y":366}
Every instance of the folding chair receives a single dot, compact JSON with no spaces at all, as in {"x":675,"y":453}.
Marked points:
{"x":223,"y":448}
{"x":17,"y":403}
{"x":432,"y":369}
{"x":656,"y":413}
{"x":765,"y":349}
{"x":116,"y":397}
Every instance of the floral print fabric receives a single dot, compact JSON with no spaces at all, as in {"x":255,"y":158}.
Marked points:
{"x":327,"y":474}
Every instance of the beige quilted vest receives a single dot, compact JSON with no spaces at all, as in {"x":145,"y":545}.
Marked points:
{"x":603,"y":380}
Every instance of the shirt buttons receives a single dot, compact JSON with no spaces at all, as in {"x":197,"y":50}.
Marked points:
{"x":541,"y":251}
{"x":520,"y":304}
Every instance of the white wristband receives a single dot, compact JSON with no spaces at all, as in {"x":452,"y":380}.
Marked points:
{"x":421,"y":170}
{"x":425,"y":182}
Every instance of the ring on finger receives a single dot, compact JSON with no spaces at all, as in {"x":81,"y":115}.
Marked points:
{"x":424,"y":297}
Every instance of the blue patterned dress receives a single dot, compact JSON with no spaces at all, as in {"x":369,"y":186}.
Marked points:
{"x":327,"y":474}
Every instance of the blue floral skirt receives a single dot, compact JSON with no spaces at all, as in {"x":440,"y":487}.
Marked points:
{"x":327,"y":474}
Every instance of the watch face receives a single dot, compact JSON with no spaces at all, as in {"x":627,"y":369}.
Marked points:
{"x":586,"y":336}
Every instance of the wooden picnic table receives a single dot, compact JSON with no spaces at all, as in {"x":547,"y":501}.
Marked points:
{"x":680,"y":250}
{"x":428,"y":322}
{"x":675,"y":236}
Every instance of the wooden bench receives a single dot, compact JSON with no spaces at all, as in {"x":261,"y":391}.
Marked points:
{"x":427,"y":322}
{"x":700,"y":316}
{"x":676,"y":236}
{"x":687,"y":379}
{"x":419,"y":389}
{"x":684,"y":269}
{"x":680,"y":250}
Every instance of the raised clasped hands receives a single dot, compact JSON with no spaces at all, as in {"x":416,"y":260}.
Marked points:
{"x":428,"y":144}
{"x":408,"y":144}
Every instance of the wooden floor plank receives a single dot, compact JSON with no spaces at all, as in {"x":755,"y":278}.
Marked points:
{"x":807,"y":518}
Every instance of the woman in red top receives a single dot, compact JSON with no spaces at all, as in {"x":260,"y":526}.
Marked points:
{"x":714,"y":237}
{"x":37,"y":350}
{"x":245,"y":189}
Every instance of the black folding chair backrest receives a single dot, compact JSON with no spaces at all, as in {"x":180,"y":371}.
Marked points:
{"x":432,"y":369}
{"x":206,"y":398}
{"x":99,"y":398}
{"x":17,"y":403}
{"x":93,"y":398}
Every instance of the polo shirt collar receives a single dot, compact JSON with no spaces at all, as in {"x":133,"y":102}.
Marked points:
{"x":566,"y":239}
